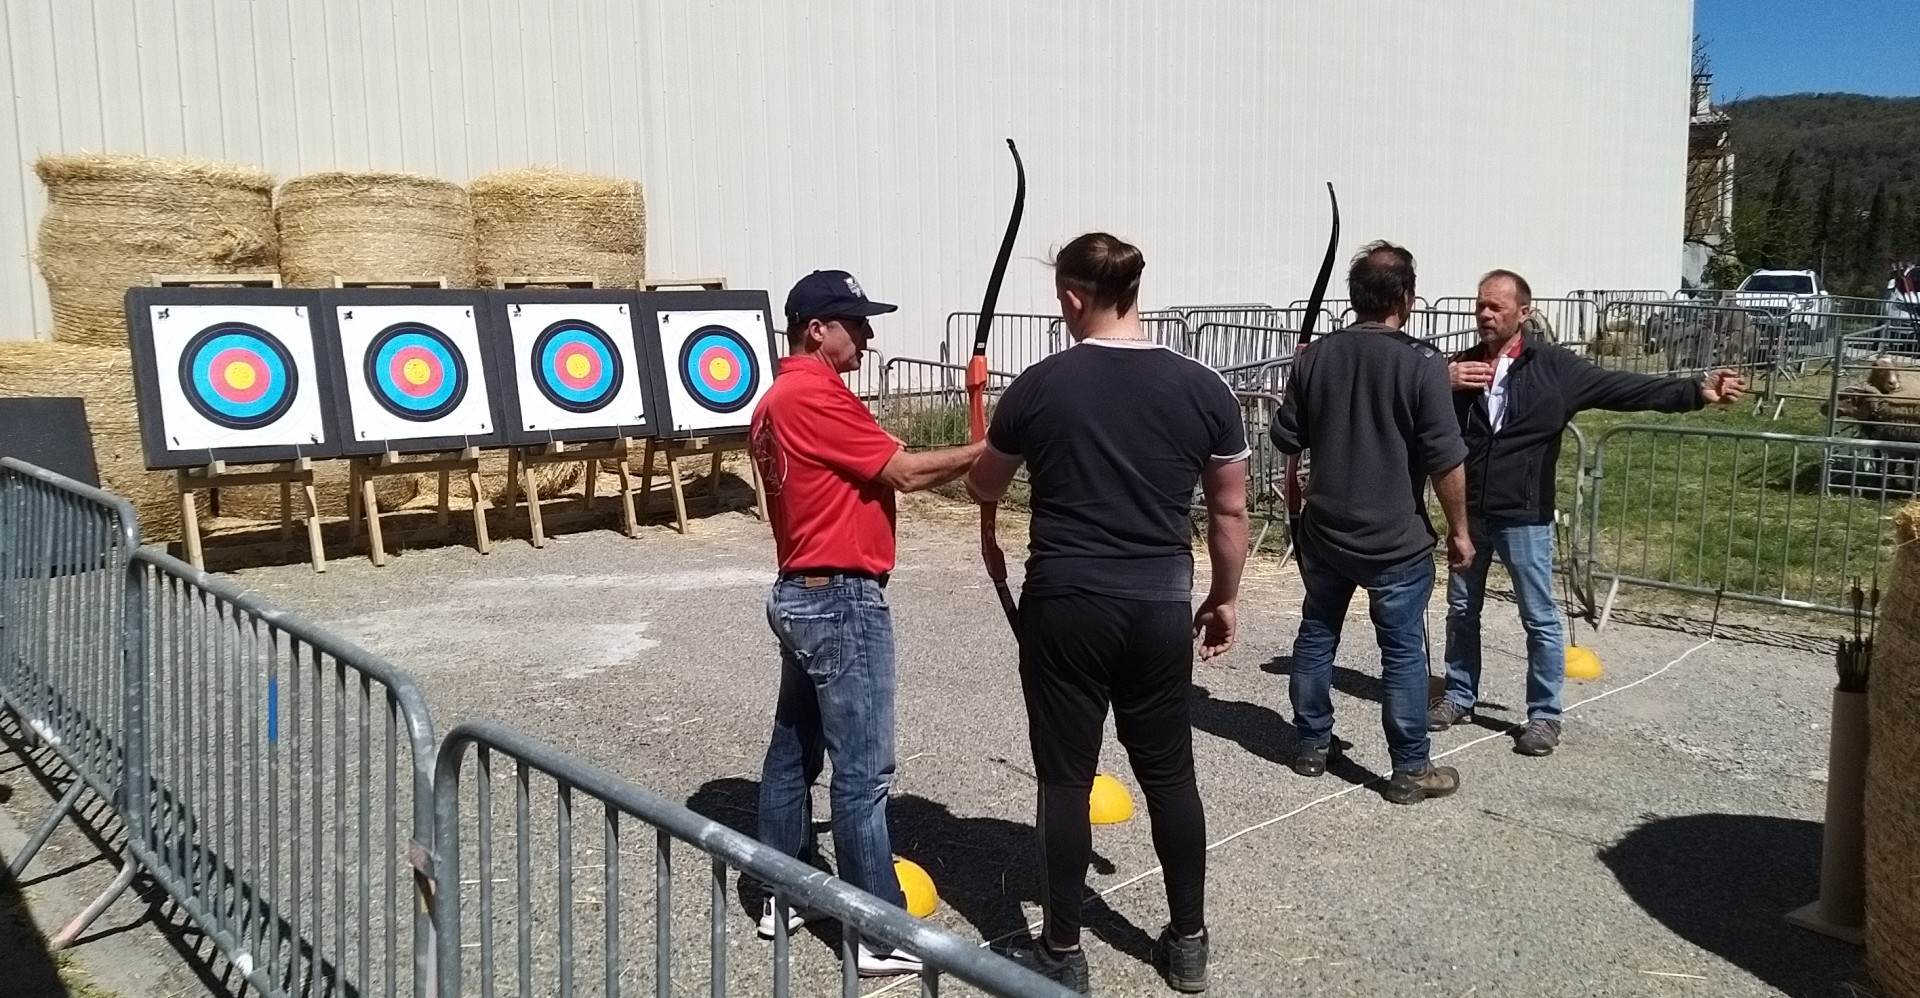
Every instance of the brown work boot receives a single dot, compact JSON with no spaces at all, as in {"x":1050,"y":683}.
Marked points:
{"x":1412,"y":788}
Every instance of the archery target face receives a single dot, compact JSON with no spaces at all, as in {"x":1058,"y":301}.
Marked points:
{"x":413,"y":371}
{"x":719,"y":366}
{"x":236,"y":376}
{"x":575,"y":365}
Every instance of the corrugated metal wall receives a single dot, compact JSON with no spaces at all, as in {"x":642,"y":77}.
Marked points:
{"x":777,"y":137}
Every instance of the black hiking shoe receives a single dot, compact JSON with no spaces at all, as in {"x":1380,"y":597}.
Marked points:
{"x":1445,"y":714}
{"x":1539,"y":737}
{"x":1311,"y":760}
{"x":1182,"y":960}
{"x":1068,"y":968}
{"x":1412,"y":788}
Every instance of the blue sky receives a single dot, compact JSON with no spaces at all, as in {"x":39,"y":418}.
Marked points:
{"x":1762,"y":47}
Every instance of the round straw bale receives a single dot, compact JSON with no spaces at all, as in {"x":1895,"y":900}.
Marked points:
{"x":550,"y":480}
{"x":104,"y":378}
{"x":115,"y":222}
{"x":374,"y":227}
{"x":546,"y":222}
{"x":1893,"y":795}
{"x":330,"y":480}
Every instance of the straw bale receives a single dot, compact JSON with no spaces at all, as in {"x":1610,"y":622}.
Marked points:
{"x":546,"y":222}
{"x":374,"y":226}
{"x":115,"y":222}
{"x":104,"y":378}
{"x":1893,"y":794}
{"x":330,"y":480}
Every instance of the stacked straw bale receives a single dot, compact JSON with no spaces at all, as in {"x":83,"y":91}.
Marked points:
{"x":115,"y":222}
{"x":374,"y":226}
{"x":546,"y":222}
{"x":103,"y":377}
{"x":1893,"y":792}
{"x":330,"y":480}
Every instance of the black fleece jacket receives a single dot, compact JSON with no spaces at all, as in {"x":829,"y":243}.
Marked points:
{"x":1510,"y":474}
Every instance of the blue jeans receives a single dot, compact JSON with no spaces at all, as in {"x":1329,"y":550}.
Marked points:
{"x":836,"y":699}
{"x":1527,"y":551}
{"x":1397,"y":599}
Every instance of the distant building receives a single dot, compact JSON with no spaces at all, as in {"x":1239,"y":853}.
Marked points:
{"x":1709,"y":181}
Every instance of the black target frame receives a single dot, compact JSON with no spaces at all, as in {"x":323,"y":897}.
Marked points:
{"x":662,"y":367}
{"x":483,"y":364}
{"x":161,"y":453}
{"x":506,"y":360}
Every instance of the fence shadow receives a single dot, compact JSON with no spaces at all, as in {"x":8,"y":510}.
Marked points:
{"x":1724,"y":882}
{"x":26,"y":964}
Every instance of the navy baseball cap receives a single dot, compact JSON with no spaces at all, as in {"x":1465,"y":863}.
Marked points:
{"x":831,"y":294}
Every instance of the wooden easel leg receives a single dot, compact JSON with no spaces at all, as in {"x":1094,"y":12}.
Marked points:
{"x":376,"y":546}
{"x":534,"y":524}
{"x":189,"y":521}
{"x":513,"y":481}
{"x":646,"y":482}
{"x":286,"y":510}
{"x":592,"y":471}
{"x":759,"y":490}
{"x":713,"y":478}
{"x":353,"y":501}
{"x":679,"y":491}
{"x":481,"y":540}
{"x":445,"y":488}
{"x":314,"y":548}
{"x":627,"y":518}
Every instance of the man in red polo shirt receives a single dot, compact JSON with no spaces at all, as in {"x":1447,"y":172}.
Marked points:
{"x":831,"y":473}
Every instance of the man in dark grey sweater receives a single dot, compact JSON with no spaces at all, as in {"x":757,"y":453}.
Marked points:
{"x":1374,"y":407}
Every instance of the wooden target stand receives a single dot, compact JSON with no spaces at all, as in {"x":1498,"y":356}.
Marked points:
{"x":214,"y":475}
{"x":523,"y":459}
{"x":364,"y":471}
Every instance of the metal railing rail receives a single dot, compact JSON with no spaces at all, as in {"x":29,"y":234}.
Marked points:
{"x":610,"y":800}
{"x":1744,"y":515}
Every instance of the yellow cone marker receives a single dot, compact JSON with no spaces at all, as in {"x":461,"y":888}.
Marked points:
{"x":1109,"y":803}
{"x":922,"y":899}
{"x":1583,"y":664}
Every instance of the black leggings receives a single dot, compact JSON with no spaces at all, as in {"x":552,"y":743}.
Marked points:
{"x":1079,"y":652}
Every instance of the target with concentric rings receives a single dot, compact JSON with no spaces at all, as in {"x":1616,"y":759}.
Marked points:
{"x":719,"y":369}
{"x":415,"y":371}
{"x":238,"y":375}
{"x":576,"y":366}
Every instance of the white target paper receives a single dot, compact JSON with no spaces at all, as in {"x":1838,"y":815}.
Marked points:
{"x":245,"y":364}
{"x":624,"y":406}
{"x":468,"y":411}
{"x":700,"y":395}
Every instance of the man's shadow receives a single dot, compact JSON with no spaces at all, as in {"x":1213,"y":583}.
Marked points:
{"x":982,"y":868}
{"x":1362,"y":686}
{"x":1263,"y":732}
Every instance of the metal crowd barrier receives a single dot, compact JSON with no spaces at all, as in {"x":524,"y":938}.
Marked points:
{"x":64,"y":548}
{"x":1876,"y":389}
{"x":1017,"y":340}
{"x":1561,"y":320}
{"x":550,"y":954}
{"x":1764,"y":518}
{"x":924,"y":402}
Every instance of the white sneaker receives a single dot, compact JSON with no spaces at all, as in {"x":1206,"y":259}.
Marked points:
{"x":796,"y":917}
{"x":887,"y":963}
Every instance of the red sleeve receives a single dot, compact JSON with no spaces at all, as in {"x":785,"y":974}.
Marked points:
{"x":841,"y":434}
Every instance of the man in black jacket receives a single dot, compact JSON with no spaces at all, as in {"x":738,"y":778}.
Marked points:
{"x":1514,"y":396}
{"x":1372,"y":404}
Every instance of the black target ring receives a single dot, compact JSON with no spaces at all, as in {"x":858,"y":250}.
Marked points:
{"x":261,"y":348}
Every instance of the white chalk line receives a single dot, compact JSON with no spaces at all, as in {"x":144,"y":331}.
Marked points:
{"x":1336,"y":795}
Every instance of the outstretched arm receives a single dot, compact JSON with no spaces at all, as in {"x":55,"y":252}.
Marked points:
{"x":917,"y":471}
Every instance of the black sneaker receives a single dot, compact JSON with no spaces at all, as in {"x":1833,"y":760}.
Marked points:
{"x":1068,"y":968}
{"x":1181,"y":960}
{"x":1311,"y":760}
{"x":1412,"y":788}
{"x":1445,"y":714}
{"x":1539,"y":737}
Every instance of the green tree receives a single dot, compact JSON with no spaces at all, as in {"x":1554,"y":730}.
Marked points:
{"x":1871,"y":259}
{"x":1823,"y":221}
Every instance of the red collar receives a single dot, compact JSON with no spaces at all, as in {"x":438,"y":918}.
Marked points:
{"x":806,"y":364}
{"x":1513,"y":348}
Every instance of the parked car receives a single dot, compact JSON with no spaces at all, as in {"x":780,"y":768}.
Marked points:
{"x":1793,"y":295}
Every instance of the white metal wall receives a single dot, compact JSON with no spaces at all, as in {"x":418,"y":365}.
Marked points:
{"x":773,"y":138}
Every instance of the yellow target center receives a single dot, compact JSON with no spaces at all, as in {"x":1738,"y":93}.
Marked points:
{"x":577,"y":366}
{"x":416,"y":371}
{"x":240,"y":375}
{"x":719,"y":369}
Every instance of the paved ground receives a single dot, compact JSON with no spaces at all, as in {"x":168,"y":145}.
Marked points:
{"x":1654,"y":855}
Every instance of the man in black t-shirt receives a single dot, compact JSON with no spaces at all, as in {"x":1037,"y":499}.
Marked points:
{"x":1373,"y":406}
{"x":1116,"y":433}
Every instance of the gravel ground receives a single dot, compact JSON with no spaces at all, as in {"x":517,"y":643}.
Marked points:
{"x":1654,"y":854}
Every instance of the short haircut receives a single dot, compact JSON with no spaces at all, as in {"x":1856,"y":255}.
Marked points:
{"x":1522,"y":290}
{"x":1380,"y":279}
{"x":1103,"y":268}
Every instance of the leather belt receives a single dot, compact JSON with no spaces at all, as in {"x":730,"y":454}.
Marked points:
{"x":817,"y":580}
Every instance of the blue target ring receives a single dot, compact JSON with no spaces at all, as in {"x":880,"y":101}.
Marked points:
{"x":576,"y":365}
{"x":719,"y":369}
{"x":238,"y":375}
{"x":415,"y":372}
